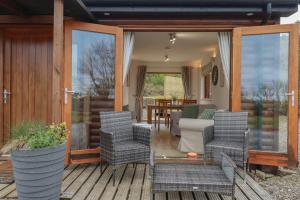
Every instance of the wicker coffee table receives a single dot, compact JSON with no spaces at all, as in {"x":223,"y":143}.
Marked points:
{"x":183,"y":174}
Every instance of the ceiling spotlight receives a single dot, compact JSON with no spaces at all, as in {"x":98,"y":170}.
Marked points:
{"x":106,"y":14}
{"x":249,"y":14}
{"x":167,"y":58}
{"x":172,"y":38}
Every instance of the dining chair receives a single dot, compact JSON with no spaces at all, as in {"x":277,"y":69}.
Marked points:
{"x":163,"y":111}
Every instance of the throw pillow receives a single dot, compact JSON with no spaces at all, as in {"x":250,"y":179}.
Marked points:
{"x":208,"y":114}
{"x":125,"y":107}
{"x":190,"y":111}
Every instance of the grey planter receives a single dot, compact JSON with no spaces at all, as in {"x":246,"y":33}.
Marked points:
{"x":38,"y":173}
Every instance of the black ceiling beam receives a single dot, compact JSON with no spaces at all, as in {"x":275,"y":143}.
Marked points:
{"x":88,"y":12}
{"x":189,"y":2}
{"x":12,"y":7}
{"x":151,"y":9}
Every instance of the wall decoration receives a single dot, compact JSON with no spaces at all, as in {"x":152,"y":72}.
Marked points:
{"x":221,"y":77}
{"x":215,"y":75}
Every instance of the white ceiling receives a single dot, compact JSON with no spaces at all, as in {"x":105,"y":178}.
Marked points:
{"x":189,"y":46}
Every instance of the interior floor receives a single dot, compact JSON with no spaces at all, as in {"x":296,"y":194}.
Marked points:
{"x":165,"y":144}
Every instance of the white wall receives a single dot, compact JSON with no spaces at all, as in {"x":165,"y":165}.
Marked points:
{"x":219,"y":95}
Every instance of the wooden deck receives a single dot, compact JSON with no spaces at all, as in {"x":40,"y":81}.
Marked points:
{"x":84,"y":182}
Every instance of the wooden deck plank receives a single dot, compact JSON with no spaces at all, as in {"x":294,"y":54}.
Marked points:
{"x":262,"y":193}
{"x":146,"y":193}
{"x":124,"y":186}
{"x":68,"y":170}
{"x":7,"y":190}
{"x":239,"y":195}
{"x":86,"y":182}
{"x":200,"y":196}
{"x":213,"y":196}
{"x":100,"y":185}
{"x":173,"y":196}
{"x":136,"y":186}
{"x":2,"y":186}
{"x":71,"y":177}
{"x":246,"y":189}
{"x":110,"y":190}
{"x":13,"y":194}
{"x":160,"y":196}
{"x":88,"y":185}
{"x":187,"y":196}
{"x":80,"y":180}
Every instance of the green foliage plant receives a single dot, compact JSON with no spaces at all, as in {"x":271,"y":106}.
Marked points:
{"x":34,"y":135}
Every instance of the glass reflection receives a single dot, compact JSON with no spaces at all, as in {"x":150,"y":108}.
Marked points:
{"x":93,"y":80}
{"x":264,"y":84}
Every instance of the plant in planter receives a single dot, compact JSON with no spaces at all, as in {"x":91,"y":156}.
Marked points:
{"x":38,"y":153}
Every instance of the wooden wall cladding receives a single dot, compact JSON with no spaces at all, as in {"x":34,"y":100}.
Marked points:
{"x":27,"y":75}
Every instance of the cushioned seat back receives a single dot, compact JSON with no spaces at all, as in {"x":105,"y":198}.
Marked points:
{"x":118,"y":123}
{"x":202,"y":107}
{"x":230,"y":126}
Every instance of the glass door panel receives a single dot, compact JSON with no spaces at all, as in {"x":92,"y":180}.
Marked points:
{"x":93,"y":83}
{"x":265,"y":84}
{"x":264,"y":88}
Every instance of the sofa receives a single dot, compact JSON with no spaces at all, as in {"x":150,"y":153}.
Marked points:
{"x":176,"y":116}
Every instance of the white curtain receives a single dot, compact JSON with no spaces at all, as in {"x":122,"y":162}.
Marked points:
{"x":224,"y":40}
{"x":127,"y":52}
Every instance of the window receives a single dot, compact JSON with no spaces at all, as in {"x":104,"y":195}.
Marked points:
{"x":163,"y":85}
{"x":207,"y":86}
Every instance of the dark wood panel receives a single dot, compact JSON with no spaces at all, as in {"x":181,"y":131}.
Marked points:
{"x":27,"y":59}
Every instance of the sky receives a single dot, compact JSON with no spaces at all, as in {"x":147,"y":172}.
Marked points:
{"x":291,"y":19}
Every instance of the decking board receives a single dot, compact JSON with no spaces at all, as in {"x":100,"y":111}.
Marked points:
{"x":84,"y":182}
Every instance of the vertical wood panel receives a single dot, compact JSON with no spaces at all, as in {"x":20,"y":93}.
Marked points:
{"x":27,"y":69}
{"x":7,"y":79}
{"x":236,"y":71}
{"x":1,"y":89}
{"x":293,"y":85}
{"x":58,"y":55}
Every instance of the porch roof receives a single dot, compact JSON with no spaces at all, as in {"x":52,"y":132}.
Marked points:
{"x":106,"y":10}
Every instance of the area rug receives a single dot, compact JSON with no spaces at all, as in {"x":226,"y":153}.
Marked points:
{"x":6,"y":172}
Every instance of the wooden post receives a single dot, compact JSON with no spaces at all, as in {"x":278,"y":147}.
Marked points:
{"x":58,"y":56}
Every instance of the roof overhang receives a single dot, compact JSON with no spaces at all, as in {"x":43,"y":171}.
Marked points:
{"x":110,"y":10}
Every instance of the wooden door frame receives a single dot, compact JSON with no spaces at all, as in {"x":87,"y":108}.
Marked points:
{"x":70,"y":25}
{"x":1,"y":90}
{"x":292,"y":29}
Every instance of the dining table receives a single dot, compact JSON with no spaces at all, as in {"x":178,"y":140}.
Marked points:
{"x":151,"y":107}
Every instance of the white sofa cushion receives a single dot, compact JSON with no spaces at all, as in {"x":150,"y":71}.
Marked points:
{"x":195,"y":124}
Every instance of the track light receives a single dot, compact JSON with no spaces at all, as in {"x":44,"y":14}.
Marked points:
{"x":172,"y":38}
{"x":167,"y":58}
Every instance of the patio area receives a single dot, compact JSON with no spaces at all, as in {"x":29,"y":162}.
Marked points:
{"x":84,"y":182}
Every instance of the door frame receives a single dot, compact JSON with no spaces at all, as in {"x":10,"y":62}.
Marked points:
{"x":266,"y":157}
{"x":70,"y":25}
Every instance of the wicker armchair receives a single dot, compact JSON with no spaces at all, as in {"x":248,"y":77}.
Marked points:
{"x":122,"y":142}
{"x":229,"y":134}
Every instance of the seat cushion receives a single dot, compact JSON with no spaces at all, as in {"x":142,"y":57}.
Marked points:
{"x":129,"y":146}
{"x":194,"y":124}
